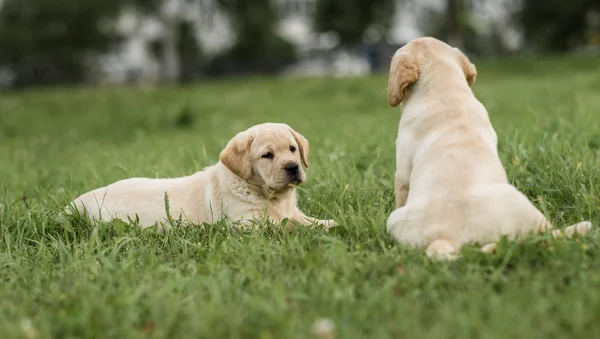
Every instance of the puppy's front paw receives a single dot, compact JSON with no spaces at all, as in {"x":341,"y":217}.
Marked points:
{"x":489,"y":248}
{"x":327,"y":224}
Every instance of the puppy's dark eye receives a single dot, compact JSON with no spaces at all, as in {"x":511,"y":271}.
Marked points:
{"x":292,"y":149}
{"x":268,"y":155}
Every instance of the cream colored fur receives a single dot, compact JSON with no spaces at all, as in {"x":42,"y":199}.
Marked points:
{"x":450,"y":186}
{"x":241,"y":186}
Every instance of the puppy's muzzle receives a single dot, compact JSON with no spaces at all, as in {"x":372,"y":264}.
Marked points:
{"x":293,"y":171}
{"x":292,"y":168}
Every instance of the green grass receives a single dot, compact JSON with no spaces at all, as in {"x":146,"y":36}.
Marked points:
{"x":67,"y":280}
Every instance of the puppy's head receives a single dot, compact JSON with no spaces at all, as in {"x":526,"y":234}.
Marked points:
{"x":269,"y":156}
{"x":422,"y":57}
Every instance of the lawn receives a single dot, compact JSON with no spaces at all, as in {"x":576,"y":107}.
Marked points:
{"x":66,"y":279}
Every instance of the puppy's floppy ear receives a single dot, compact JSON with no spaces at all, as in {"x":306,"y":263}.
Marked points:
{"x":467,"y":67}
{"x":302,"y":146}
{"x":404,"y":71}
{"x":236,"y":155}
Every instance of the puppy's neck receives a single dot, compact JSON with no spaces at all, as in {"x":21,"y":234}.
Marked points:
{"x":285,"y":194}
{"x":247,"y":191}
{"x":439,"y":85}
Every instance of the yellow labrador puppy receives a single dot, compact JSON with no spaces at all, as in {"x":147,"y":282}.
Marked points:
{"x":257,"y":173}
{"x":450,"y":186}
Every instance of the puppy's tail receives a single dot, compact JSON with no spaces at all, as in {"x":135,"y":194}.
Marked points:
{"x":442,"y":249}
{"x":582,"y":228}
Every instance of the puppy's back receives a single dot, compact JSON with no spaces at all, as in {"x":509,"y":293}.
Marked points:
{"x":144,"y":197}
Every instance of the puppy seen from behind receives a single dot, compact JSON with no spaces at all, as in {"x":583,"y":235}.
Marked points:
{"x":450,"y":186}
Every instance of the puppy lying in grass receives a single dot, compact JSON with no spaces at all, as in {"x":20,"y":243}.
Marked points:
{"x":257,"y":173}
{"x":450,"y":186}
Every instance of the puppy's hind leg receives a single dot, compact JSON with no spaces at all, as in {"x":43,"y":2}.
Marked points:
{"x":400,"y":190}
{"x":405,"y":226}
{"x":442,"y":249}
{"x":402,"y":184}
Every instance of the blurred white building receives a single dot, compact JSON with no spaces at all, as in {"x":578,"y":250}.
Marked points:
{"x":135,"y":60}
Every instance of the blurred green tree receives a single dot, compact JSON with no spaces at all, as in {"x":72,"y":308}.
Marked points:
{"x":189,"y":53}
{"x":453,"y":25}
{"x":177,"y":50}
{"x":257,"y":49}
{"x":50,"y":42}
{"x":555,"y":25}
{"x":351,"y":19}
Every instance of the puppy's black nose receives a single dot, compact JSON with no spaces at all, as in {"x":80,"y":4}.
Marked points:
{"x":292,"y":168}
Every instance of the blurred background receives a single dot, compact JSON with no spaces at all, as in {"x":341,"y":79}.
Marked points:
{"x":146,"y":42}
